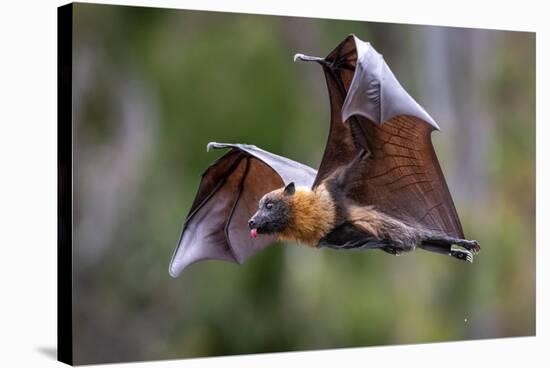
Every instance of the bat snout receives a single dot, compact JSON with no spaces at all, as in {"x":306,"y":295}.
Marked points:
{"x":258,"y":223}
{"x":252,"y":224}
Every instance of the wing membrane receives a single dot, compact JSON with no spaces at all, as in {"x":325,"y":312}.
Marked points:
{"x":216,"y":226}
{"x":371,"y":111}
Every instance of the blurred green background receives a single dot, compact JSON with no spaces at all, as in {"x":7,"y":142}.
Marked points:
{"x":153,"y":86}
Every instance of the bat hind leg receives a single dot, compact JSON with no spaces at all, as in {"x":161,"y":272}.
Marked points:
{"x":471,"y":245}
{"x":450,"y":246}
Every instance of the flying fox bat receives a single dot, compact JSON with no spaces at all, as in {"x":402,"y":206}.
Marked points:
{"x":379,"y":184}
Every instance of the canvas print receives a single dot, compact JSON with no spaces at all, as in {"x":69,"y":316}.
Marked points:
{"x":248,"y":183}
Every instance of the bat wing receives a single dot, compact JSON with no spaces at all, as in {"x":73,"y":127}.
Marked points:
{"x":216,"y":226}
{"x":370,"y":110}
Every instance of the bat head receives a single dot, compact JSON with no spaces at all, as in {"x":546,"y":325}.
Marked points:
{"x":274,"y":212}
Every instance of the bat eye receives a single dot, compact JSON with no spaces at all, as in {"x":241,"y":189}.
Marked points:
{"x":269,"y":205}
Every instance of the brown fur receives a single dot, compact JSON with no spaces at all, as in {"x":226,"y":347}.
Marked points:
{"x":380,"y":225}
{"x":367,"y":219}
{"x":312,"y":215}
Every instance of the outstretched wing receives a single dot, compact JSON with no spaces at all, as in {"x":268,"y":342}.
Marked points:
{"x":216,"y":226}
{"x":370,"y":110}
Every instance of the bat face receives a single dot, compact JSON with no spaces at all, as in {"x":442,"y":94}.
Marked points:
{"x":274,"y":212}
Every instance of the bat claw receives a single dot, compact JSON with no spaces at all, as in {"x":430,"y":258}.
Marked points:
{"x":303,"y":57}
{"x":471,"y":245}
{"x":475,"y":248}
{"x":211,"y":145}
{"x":463,"y":255}
{"x":297,"y":57}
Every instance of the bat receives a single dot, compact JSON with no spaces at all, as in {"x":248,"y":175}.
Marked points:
{"x":379,"y":184}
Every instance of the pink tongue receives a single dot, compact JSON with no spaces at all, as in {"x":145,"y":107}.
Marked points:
{"x":253,"y":233}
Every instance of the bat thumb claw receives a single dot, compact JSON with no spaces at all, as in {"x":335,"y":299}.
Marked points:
{"x":211,"y":145}
{"x":303,"y":57}
{"x":297,"y":57}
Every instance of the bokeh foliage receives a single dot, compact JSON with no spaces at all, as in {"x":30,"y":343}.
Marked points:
{"x":153,"y":86}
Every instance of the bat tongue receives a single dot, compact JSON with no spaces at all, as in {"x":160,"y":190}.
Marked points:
{"x":254,"y":233}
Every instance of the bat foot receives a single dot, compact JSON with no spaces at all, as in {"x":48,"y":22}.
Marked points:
{"x":463,"y":255}
{"x":471,"y":245}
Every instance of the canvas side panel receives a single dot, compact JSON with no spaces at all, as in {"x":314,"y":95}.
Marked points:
{"x":64,"y":175}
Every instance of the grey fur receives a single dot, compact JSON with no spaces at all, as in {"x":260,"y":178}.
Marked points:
{"x":272,"y":216}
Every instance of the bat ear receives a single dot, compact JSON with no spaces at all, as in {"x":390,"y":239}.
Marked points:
{"x":290,"y":188}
